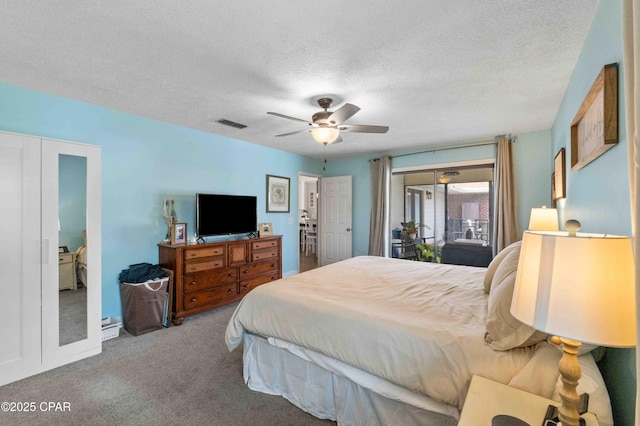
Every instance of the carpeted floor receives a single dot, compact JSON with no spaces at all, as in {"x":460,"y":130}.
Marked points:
{"x":73,"y":315}
{"x":181,"y":375}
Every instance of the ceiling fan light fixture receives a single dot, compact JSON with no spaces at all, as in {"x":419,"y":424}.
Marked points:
{"x":444,"y":179}
{"x":325,"y":135}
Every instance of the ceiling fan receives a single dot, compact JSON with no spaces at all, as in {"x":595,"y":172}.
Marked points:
{"x":325,"y":126}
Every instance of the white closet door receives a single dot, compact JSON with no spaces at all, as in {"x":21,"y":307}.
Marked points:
{"x":20,"y":257}
{"x":55,"y":354}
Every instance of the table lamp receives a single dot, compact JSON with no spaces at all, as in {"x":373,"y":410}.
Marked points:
{"x":543,"y":219}
{"x":581,"y":287}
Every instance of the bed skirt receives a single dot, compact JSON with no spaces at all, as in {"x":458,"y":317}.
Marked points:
{"x":335,"y":391}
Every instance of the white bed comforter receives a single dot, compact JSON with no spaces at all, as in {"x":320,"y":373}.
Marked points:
{"x":418,"y":325}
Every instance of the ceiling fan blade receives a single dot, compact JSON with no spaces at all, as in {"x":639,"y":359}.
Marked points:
{"x":288,"y":117}
{"x":293,"y":133}
{"x":363,"y":128}
{"x":343,"y":113}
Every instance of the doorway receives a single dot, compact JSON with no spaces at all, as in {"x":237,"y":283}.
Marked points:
{"x":450,"y":208}
{"x":307,"y":221}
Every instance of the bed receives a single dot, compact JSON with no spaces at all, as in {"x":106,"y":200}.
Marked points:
{"x":373,"y":340}
{"x":81,"y":261}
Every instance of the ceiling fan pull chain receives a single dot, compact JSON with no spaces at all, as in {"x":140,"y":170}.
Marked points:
{"x":325,"y":158}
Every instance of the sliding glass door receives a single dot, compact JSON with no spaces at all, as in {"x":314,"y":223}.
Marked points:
{"x":448,"y":206}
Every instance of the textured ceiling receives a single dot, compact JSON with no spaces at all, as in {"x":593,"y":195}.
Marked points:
{"x":436,"y":72}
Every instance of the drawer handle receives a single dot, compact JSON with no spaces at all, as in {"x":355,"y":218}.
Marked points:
{"x":230,"y":290}
{"x":244,"y":271}
{"x":273,"y":278}
{"x":192,"y":283}
{"x":193,"y":299}
{"x":244,"y":287}
{"x":230,"y":275}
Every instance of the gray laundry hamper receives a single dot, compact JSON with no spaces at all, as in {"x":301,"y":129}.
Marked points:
{"x":143,"y":305}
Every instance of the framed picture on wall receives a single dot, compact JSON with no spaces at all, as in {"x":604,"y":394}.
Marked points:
{"x":277,"y":194}
{"x":559,"y":176}
{"x":179,"y":233}
{"x":553,"y":190}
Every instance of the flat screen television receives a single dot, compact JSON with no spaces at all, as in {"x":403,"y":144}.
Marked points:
{"x":218,"y":214}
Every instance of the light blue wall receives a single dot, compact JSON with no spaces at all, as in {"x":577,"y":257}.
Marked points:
{"x":145,"y":161}
{"x":533,"y":169}
{"x":598,"y":194}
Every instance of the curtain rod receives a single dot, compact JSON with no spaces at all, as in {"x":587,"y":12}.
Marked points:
{"x":445,"y":148}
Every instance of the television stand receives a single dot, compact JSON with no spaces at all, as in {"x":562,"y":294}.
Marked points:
{"x":210,"y":275}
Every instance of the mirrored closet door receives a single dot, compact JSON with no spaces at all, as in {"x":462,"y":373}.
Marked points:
{"x":71,"y":290}
{"x":50,"y":280}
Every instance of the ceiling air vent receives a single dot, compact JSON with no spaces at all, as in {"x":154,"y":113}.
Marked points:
{"x":231,"y":123}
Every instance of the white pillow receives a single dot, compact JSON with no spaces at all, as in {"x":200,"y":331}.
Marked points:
{"x":493,"y":266}
{"x":504,"y":331}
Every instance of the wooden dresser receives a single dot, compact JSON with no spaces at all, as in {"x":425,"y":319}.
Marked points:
{"x":215,"y":274}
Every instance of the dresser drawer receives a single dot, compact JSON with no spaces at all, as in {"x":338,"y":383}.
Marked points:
{"x":251,"y":283}
{"x":65,"y":258}
{"x":197,"y":253}
{"x":209,"y":297}
{"x":191,"y":267}
{"x":264,"y":254}
{"x":203,"y":280}
{"x":259,"y":268}
{"x":257,"y":245}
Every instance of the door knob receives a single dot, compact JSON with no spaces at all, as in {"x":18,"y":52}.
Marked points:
{"x":348,"y":229}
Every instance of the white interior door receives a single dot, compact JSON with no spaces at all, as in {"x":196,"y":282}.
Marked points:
{"x":20,"y":256}
{"x":335,"y":219}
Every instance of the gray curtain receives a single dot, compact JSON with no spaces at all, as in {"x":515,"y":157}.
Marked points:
{"x":379,"y":224}
{"x":631,"y":63}
{"x":506,"y":228}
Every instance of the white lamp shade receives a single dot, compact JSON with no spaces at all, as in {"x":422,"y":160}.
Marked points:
{"x":325,"y":135}
{"x":543,"y":219}
{"x":581,"y":288}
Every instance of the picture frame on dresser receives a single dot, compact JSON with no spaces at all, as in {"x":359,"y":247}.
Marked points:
{"x":179,"y":233}
{"x":265,"y":229}
{"x":278,"y":191}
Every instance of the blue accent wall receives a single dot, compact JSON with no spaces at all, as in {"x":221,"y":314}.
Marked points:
{"x":145,"y":161}
{"x":598,"y":194}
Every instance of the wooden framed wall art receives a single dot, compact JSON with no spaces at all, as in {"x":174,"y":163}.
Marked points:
{"x":559,"y":176}
{"x":277,"y":194}
{"x":594,"y":129}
